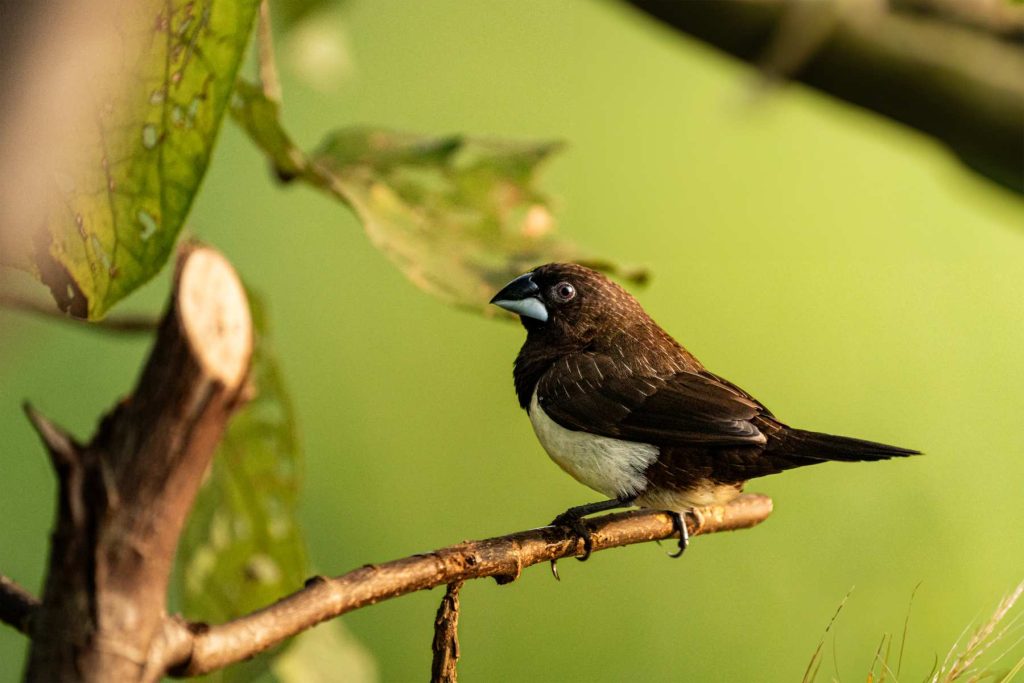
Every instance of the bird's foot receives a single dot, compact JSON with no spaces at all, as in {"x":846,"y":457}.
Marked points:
{"x":679,"y":526}
{"x":578,"y":526}
{"x":572,"y":519}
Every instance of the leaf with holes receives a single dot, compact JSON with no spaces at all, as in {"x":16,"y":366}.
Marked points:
{"x":458,"y":216}
{"x":139,"y":154}
{"x":242,"y":548}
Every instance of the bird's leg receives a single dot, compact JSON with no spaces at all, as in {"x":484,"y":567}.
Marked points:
{"x":573,"y":519}
{"x":679,"y":525}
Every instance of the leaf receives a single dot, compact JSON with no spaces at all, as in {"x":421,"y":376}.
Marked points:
{"x":458,"y":216}
{"x":287,"y":13}
{"x":140,"y":154}
{"x":326,"y":654}
{"x":242,"y":548}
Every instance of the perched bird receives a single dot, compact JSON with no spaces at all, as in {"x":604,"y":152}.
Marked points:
{"x":625,"y":409}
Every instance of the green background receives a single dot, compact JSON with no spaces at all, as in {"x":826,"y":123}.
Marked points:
{"x":843,"y":270}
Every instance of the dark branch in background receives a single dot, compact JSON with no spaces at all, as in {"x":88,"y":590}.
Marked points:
{"x":201,"y":649}
{"x":132,"y":324}
{"x":446,"y":637}
{"x":16,"y":604}
{"x":935,"y":65}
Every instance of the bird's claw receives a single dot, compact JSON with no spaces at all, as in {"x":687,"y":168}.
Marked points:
{"x":679,"y":526}
{"x":581,"y":532}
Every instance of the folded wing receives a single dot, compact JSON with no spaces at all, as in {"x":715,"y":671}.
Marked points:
{"x":591,"y":394}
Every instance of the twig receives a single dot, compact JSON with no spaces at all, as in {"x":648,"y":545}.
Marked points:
{"x":186,"y":649}
{"x":16,"y":604}
{"x":132,"y":324}
{"x":200,"y":649}
{"x":269,"y":80}
{"x":446,"y":637}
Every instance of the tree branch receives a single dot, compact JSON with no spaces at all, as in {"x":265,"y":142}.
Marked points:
{"x":16,"y":604}
{"x":190,"y":649}
{"x":200,"y":648}
{"x":446,"y":637}
{"x":132,"y":324}
{"x":959,"y":84}
{"x":124,"y":496}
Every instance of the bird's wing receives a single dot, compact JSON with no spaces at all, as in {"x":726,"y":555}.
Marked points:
{"x":670,"y":409}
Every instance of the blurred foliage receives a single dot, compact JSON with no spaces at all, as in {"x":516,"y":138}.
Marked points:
{"x":459,"y":216}
{"x":976,"y":658}
{"x":287,"y":13}
{"x":328,"y":653}
{"x":127,"y":191}
{"x":842,"y":270}
{"x":242,"y":548}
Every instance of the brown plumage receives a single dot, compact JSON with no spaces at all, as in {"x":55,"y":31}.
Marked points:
{"x":625,"y":409}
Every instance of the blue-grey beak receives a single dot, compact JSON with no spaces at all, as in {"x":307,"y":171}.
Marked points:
{"x":522,"y":297}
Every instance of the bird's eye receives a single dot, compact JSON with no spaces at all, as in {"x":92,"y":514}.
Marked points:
{"x":564,"y":291}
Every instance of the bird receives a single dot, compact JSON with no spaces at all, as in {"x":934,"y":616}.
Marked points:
{"x":626,"y":410}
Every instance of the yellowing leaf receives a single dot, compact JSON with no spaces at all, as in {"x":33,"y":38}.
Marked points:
{"x":458,"y":216}
{"x":124,"y":189}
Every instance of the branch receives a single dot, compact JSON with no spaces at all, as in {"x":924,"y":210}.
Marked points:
{"x":16,"y":604}
{"x":269,"y":79}
{"x":446,"y":637}
{"x":124,"y":496}
{"x":959,"y":84}
{"x":132,"y":324}
{"x":200,"y":649}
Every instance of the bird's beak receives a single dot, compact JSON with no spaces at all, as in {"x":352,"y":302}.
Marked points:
{"x":522,"y":297}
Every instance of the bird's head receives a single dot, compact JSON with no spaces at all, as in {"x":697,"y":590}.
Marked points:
{"x":569,"y":301}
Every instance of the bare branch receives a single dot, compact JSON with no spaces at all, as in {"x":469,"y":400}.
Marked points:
{"x":446,"y":637}
{"x":928,"y":70}
{"x":214,"y":647}
{"x":59,"y":444}
{"x":16,"y":604}
{"x":124,"y":495}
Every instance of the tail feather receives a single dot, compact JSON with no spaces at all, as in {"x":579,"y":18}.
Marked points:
{"x":803,"y":445}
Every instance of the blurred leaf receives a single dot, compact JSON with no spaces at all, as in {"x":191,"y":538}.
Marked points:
{"x":260,"y":117}
{"x":458,"y":216}
{"x":288,"y":12}
{"x":243,"y":549}
{"x":326,"y":654}
{"x":139,"y":158}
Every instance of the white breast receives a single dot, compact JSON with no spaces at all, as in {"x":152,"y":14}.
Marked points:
{"x":611,"y":466}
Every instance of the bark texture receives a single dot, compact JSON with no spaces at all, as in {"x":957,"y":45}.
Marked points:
{"x":179,"y":648}
{"x":446,"y":637}
{"x":202,"y":648}
{"x":124,"y":496}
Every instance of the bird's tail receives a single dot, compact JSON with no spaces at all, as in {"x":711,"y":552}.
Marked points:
{"x":804,"y":448}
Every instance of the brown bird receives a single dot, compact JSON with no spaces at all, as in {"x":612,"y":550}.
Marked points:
{"x":625,"y":409}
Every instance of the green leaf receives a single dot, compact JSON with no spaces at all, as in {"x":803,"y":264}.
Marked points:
{"x":242,"y":548}
{"x":141,"y":154}
{"x":287,"y":13}
{"x":326,"y":654}
{"x":260,"y":118}
{"x":458,"y":216}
